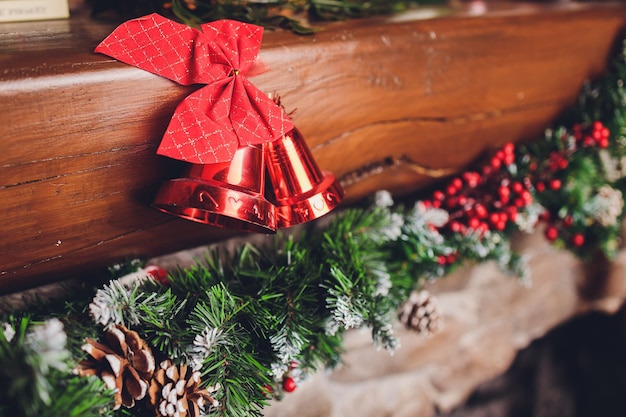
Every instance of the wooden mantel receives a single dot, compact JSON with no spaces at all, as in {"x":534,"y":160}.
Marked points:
{"x":434,"y":89}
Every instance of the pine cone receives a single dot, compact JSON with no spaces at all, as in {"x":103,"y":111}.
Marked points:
{"x":125,"y":363}
{"x":420,"y":313}
{"x":175,"y":391}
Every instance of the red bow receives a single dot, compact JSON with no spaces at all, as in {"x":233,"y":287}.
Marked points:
{"x":210,"y":124}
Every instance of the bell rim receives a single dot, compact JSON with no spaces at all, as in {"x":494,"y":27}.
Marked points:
{"x":292,"y":213}
{"x":216,"y":204}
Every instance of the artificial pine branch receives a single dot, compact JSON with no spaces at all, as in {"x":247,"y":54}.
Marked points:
{"x":286,"y":14}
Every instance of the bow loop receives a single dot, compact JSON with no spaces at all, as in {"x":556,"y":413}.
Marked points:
{"x":210,"y":124}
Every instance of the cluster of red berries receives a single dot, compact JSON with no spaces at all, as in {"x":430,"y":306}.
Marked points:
{"x":483,"y":201}
{"x":594,"y":135}
{"x":586,"y":136}
{"x":561,"y":228}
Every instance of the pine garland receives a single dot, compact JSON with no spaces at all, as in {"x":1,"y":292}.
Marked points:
{"x":272,"y":14}
{"x":248,"y":325}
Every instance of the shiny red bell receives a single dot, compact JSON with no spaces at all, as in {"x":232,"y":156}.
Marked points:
{"x":301,"y":191}
{"x":228,"y":194}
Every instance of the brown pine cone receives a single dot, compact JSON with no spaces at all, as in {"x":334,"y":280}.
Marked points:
{"x":123,"y":361}
{"x":175,"y":391}
{"x":420,"y":313}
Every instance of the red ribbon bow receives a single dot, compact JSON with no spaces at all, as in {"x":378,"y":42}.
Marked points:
{"x":210,"y":124}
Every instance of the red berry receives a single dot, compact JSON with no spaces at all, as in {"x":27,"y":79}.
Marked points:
{"x":597,"y":134}
{"x":158,"y":274}
{"x":458,"y":184}
{"x":597,"y":125}
{"x":568,"y":221}
{"x":451,"y":202}
{"x":486,"y":170}
{"x":494,"y":218}
{"x":495,"y":163}
{"x":462,"y":200}
{"x":532,"y":166}
{"x":438,"y":195}
{"x":541,"y":187}
{"x":509,"y":159}
{"x":474,"y":223}
{"x":578,"y":239}
{"x":504,"y":191}
{"x":455,"y":227}
{"x":551,"y":233}
{"x":441,"y":259}
{"x":606,"y":133}
{"x":436,"y":204}
{"x":603,"y":143}
{"x":451,"y":258}
{"x":526,"y":196}
{"x":555,"y":184}
{"x":481,"y":211}
{"x":427,"y":204}
{"x":451,"y":190}
{"x":518,"y":202}
{"x":471,"y":178}
{"x":563,"y":163}
{"x":508,"y":148}
{"x":512,"y":211}
{"x":289,"y":384}
{"x":517,"y":187}
{"x":500,"y":225}
{"x":500,"y":154}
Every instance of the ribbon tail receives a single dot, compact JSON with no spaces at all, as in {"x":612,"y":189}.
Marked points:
{"x":255,"y":117}
{"x":200,"y":131}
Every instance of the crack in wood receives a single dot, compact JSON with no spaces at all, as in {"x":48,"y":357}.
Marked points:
{"x":392,"y":162}
{"x":137,"y":148}
{"x":38,"y":180}
{"x":462,"y":119}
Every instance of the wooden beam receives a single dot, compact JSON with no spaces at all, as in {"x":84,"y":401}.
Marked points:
{"x":78,"y":167}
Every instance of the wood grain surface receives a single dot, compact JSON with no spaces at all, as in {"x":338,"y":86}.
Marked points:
{"x":386,"y":103}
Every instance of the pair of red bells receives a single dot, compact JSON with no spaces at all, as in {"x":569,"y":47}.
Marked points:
{"x":234,"y":194}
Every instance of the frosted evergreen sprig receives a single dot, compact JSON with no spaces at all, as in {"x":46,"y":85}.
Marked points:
{"x":115,"y":303}
{"x":8,"y":331}
{"x":203,"y":345}
{"x":287,"y":346}
{"x":47,"y":342}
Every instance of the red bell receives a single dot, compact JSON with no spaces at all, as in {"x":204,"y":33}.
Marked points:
{"x":228,"y":194}
{"x":301,"y":192}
